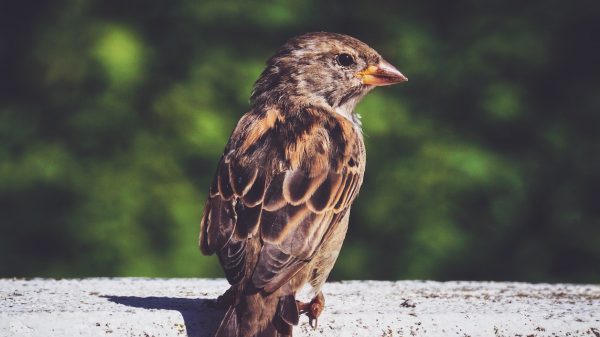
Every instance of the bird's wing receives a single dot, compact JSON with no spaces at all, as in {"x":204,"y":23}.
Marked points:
{"x":291,"y":194}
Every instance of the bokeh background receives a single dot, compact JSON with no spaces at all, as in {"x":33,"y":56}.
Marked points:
{"x":484,"y":166}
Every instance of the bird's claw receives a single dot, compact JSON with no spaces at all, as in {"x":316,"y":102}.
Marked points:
{"x":313,"y":309}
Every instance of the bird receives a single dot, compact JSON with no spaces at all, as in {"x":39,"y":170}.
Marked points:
{"x":277,"y":210}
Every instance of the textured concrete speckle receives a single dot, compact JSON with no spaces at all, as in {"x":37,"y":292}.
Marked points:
{"x":182,"y":307}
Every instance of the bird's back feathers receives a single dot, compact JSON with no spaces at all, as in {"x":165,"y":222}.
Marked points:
{"x":284,"y":183}
{"x":286,"y":193}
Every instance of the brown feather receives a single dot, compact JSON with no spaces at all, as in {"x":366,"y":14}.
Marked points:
{"x":323,"y":196}
{"x":232,"y":258}
{"x":241,"y":178}
{"x":259,"y":128}
{"x":274,"y":199}
{"x":256,"y":193}
{"x":225,"y":189}
{"x":218,"y":224}
{"x":298,"y":186}
{"x":275,"y":226}
{"x":248,"y":219}
{"x":203,"y":240}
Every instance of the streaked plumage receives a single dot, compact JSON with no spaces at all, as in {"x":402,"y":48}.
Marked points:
{"x":278,"y":208}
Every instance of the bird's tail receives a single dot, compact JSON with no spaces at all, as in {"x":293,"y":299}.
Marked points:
{"x":260,"y":315}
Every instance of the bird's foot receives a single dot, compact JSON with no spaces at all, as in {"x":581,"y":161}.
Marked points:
{"x":225,"y":300}
{"x":313,"y":309}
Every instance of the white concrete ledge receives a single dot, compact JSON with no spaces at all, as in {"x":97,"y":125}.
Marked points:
{"x":181,"y":307}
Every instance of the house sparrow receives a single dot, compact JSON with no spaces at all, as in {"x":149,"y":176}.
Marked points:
{"x":278,"y":207}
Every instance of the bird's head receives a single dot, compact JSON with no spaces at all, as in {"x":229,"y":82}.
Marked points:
{"x":326,"y":69}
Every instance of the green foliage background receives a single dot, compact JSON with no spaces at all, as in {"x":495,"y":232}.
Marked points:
{"x":484,"y":166}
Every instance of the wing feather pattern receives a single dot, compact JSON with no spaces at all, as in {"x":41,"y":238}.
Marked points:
{"x":290,"y":199}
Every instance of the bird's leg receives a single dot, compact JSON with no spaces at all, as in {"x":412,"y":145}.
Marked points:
{"x":225,"y":300}
{"x":313,"y":309}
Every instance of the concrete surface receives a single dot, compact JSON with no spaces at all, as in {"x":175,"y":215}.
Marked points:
{"x":181,"y":307}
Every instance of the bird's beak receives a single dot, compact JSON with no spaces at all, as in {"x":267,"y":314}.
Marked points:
{"x":381,"y":74}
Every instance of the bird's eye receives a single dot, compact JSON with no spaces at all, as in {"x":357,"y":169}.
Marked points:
{"x":345,"y":60}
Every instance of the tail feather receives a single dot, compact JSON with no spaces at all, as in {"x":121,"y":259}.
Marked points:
{"x":229,"y":324}
{"x":258,"y":315}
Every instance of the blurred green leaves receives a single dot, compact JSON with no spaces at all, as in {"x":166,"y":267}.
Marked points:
{"x":483,"y":166}
{"x":121,"y":55}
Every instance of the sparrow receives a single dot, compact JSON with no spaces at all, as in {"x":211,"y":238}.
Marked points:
{"x":279,"y":203}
